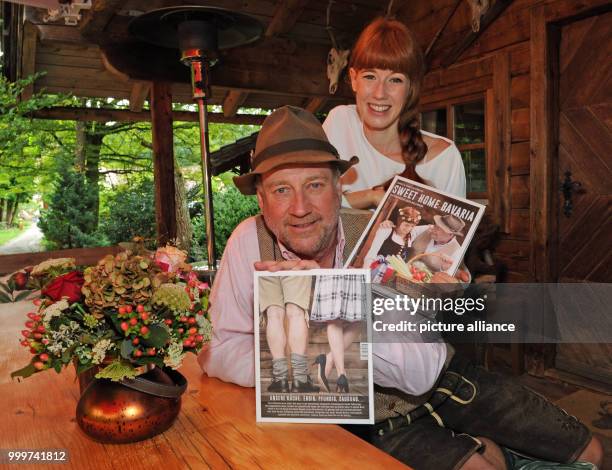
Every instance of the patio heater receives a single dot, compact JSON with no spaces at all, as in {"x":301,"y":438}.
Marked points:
{"x":199,"y":32}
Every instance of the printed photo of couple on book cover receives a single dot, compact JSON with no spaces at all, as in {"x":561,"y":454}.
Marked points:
{"x":312,"y":359}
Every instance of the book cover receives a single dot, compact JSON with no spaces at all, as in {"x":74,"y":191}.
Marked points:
{"x":416,"y":232}
{"x":313,"y":363}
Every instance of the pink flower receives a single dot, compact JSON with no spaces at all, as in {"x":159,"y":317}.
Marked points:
{"x":170,"y":259}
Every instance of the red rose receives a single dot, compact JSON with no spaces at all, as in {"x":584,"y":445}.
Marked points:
{"x":67,"y":285}
{"x":20,"y":279}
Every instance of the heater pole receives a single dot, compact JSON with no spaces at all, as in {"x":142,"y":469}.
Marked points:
{"x":206,"y":184}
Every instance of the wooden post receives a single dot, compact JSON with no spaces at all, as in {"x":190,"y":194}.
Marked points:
{"x":163,"y":162}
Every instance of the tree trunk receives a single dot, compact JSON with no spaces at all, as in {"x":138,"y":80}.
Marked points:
{"x":2,"y":201}
{"x":12,"y":210}
{"x":80,"y":147}
{"x":92,"y":171}
{"x":184,"y":230}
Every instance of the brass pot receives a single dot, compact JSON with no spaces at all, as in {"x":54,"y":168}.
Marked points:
{"x":131,"y":410}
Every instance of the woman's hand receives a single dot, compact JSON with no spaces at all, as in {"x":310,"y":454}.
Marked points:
{"x":286,"y":265}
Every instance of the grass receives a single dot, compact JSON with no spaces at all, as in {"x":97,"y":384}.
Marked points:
{"x":8,"y":234}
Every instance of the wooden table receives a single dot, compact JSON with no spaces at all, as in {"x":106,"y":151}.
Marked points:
{"x":216,"y":427}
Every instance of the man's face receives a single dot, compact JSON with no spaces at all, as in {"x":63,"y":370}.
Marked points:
{"x":439,"y":235}
{"x":301,"y":205}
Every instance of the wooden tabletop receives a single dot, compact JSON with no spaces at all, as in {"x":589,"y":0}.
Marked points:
{"x":216,"y":427}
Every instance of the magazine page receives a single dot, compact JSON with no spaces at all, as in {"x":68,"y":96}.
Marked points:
{"x":416,"y":232}
{"x":313,"y":363}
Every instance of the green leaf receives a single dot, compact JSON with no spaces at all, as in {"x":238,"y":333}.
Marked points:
{"x":22,"y":295}
{"x":25,"y":372}
{"x":116,"y":371}
{"x":4,"y":287}
{"x":158,"y":336}
{"x":83,"y":367}
{"x":5,"y":299}
{"x":127,"y":348}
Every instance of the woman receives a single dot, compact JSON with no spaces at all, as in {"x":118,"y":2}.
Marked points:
{"x":386,"y":70}
{"x":395,"y":235}
{"x":339,"y":301}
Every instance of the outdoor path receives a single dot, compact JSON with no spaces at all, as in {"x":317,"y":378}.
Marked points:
{"x":27,"y":242}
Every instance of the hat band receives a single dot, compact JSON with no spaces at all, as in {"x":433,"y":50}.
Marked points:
{"x":293,"y":146}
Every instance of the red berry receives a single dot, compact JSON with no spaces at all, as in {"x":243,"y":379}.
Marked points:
{"x":151,"y":351}
{"x":122,"y":310}
{"x":191,"y":320}
{"x":140,"y":308}
{"x":135,"y":341}
{"x":32,"y":315}
{"x":38,"y":365}
{"x":124,"y":326}
{"x":199,"y":338}
{"x":192,"y":331}
{"x":144,"y":330}
{"x":24,"y":342}
{"x":37,"y":335}
{"x":187,"y":343}
{"x":26,"y":333}
{"x":181,"y":330}
{"x":40,"y":329}
{"x":200,"y":312}
{"x":37,"y":318}
{"x":44,"y":357}
{"x":168,"y":322}
{"x":33,"y":351}
{"x":45,"y":341}
{"x":137,"y":353}
{"x":144,"y":316}
{"x":133,"y":321}
{"x":30,"y":324}
{"x":128,"y":309}
{"x":183,"y":319}
{"x":36,"y":302}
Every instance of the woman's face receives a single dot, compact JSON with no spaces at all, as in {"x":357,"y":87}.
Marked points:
{"x":404,"y":228}
{"x":380,"y":96}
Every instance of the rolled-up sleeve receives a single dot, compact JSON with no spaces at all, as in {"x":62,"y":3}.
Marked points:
{"x":230,"y":355}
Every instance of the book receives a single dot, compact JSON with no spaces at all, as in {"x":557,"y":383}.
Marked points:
{"x":297,"y":315}
{"x":416,"y":232}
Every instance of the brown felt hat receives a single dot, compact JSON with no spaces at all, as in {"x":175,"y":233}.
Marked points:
{"x":450,"y":224}
{"x":290,"y":135}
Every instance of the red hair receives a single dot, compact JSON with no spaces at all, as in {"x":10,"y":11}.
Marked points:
{"x":389,"y":45}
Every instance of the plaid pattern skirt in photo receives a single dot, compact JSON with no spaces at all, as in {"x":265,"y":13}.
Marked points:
{"x":339,"y":297}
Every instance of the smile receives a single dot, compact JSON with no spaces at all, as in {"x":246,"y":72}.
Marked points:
{"x":379,"y":108}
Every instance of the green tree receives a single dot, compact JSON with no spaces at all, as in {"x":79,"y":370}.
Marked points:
{"x":68,"y":222}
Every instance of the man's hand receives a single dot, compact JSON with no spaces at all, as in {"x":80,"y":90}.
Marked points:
{"x":286,"y":265}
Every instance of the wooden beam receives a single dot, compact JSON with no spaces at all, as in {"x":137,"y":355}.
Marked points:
{"x":286,"y":14}
{"x":140,"y":91}
{"x":96,"y":19}
{"x":28,"y":57}
{"x":502,"y":140}
{"x":125,"y":115}
{"x":163,"y":162}
{"x":487,"y":19}
{"x":315,"y":104}
{"x":233,"y":100}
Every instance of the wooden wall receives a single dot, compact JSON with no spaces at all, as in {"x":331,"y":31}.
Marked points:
{"x":495,"y":67}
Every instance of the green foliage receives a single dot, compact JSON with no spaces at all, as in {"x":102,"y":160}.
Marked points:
{"x":69,"y":222}
{"x":130,"y":213}
{"x":230,"y":208}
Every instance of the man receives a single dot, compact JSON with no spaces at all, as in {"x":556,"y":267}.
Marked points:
{"x":440,"y":238}
{"x":296,"y":178}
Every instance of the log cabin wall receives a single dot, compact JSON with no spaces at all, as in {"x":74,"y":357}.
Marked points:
{"x":495,"y":67}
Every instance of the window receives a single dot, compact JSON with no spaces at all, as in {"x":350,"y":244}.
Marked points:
{"x":466,"y":123}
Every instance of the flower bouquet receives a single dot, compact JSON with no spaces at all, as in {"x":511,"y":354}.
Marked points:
{"x":130,"y":311}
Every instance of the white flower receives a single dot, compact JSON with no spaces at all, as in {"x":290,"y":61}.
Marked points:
{"x":174,"y":356}
{"x":43,"y":267}
{"x":54,"y":310}
{"x":205,"y":327}
{"x":99,"y":350}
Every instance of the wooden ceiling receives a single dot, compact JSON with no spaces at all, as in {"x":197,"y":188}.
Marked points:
{"x":97,"y":58}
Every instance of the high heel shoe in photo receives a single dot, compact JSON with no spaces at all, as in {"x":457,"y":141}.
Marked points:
{"x":342,"y":385}
{"x":320,"y":361}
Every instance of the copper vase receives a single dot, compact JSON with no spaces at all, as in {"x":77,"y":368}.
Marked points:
{"x":131,"y":410}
